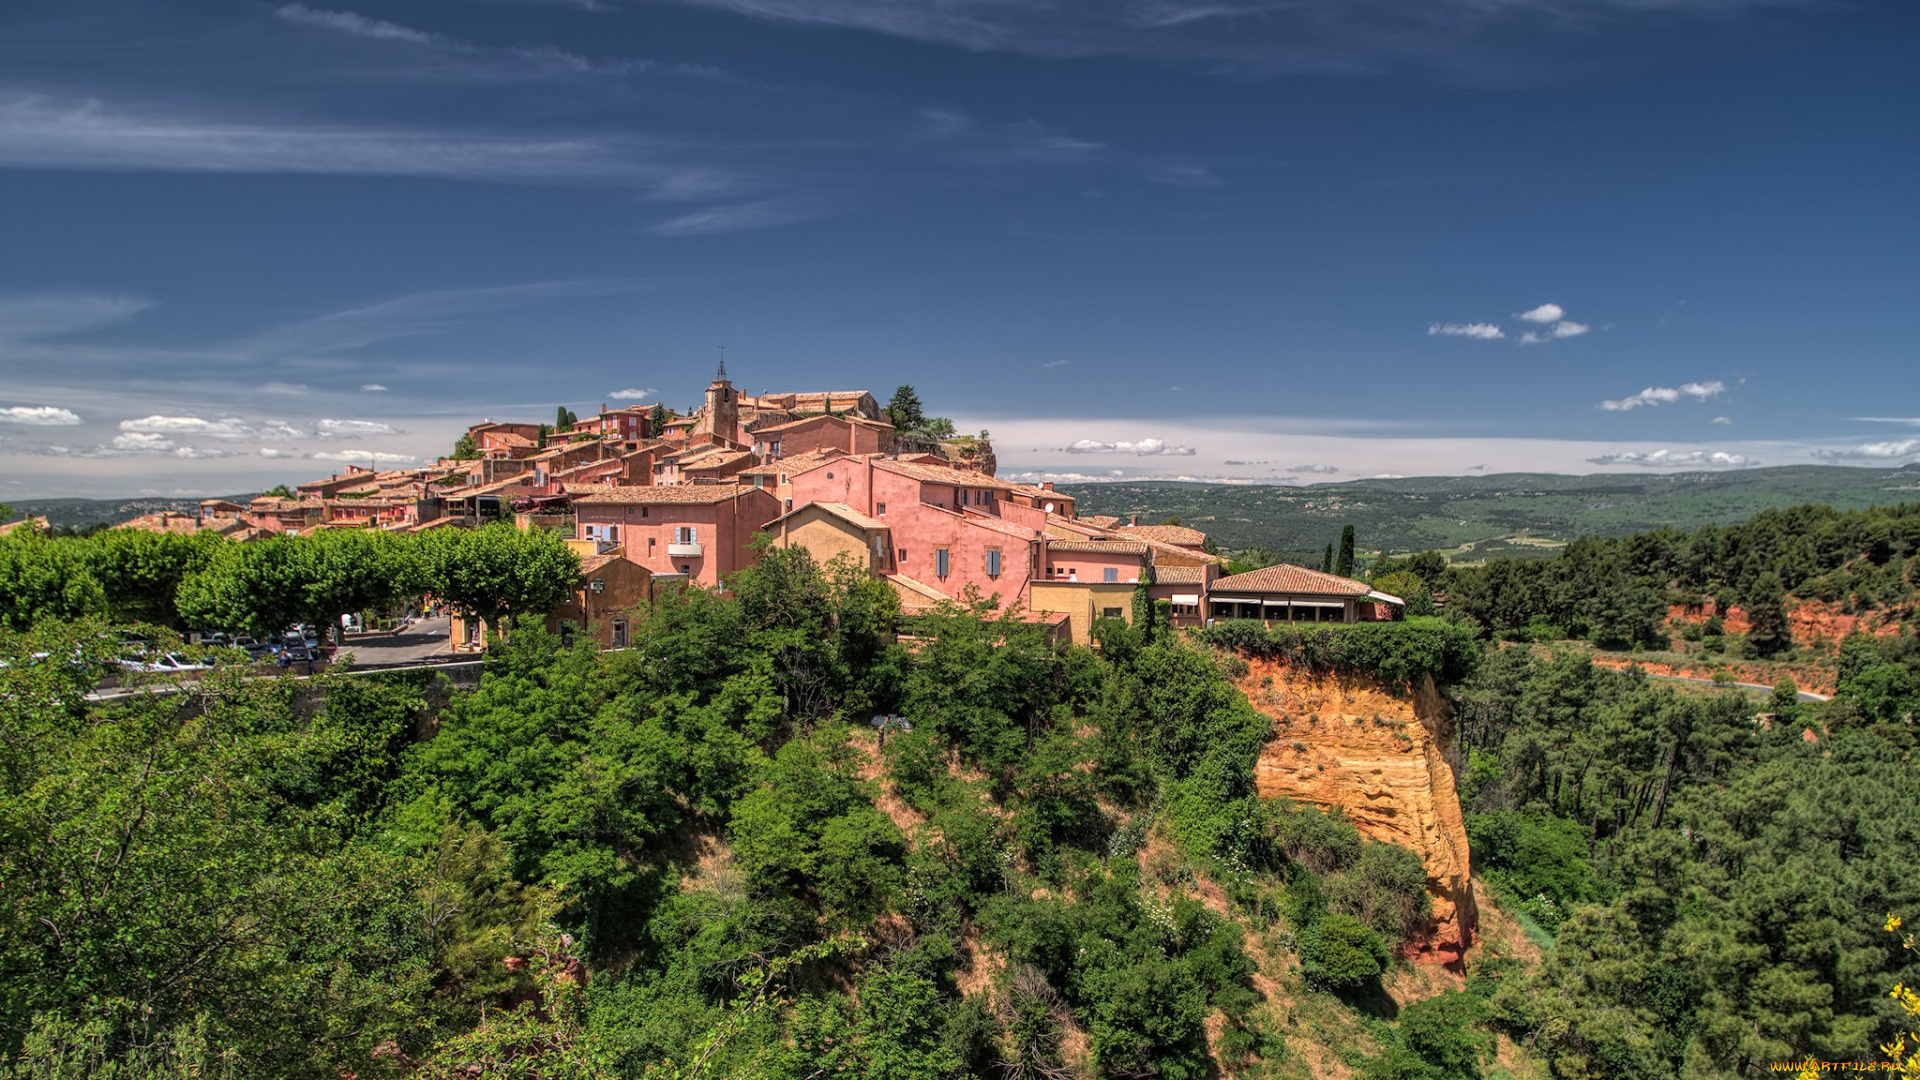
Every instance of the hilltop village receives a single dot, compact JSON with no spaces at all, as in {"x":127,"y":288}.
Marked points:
{"x":649,"y":498}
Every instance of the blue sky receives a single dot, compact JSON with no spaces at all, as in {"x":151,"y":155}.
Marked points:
{"x":1261,"y":240}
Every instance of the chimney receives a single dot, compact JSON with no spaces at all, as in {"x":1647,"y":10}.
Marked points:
{"x":1046,"y":485}
{"x":1134,"y":519}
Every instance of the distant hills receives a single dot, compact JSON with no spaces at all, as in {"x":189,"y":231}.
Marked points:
{"x":86,"y":513}
{"x":1477,"y":516}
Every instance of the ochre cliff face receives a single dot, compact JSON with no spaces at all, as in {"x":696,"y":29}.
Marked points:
{"x":1386,"y":763}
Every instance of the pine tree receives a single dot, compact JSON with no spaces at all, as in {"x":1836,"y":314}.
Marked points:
{"x":906,"y":411}
{"x":1343,"y":565}
{"x":563,"y":419}
{"x":1768,"y":633}
{"x":657,"y":421}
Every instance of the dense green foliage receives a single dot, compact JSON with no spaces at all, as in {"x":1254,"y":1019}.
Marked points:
{"x":1716,"y":883}
{"x":268,"y":878}
{"x":1394,"y":652}
{"x":199,"y":580}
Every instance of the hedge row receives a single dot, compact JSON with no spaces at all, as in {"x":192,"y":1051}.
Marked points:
{"x":1397,"y":653}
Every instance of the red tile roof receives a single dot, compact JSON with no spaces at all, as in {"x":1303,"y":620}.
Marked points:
{"x":685,"y":494}
{"x":941,"y":474}
{"x":840,"y":510}
{"x":1098,"y":547}
{"x":1179,"y":575}
{"x":1297,"y":580}
{"x":1177,"y":535}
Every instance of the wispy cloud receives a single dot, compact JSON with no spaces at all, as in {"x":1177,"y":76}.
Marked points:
{"x":423,"y":313}
{"x":1722,"y":420}
{"x":45,"y":315}
{"x":1318,"y":470}
{"x":633,"y":393}
{"x":1479,"y":330}
{"x":227,"y":427}
{"x":1186,"y":176}
{"x":39,"y":416}
{"x":375,"y":457}
{"x":1716,"y":459}
{"x":373,"y":388}
{"x":347,"y":22}
{"x":1054,"y":363}
{"x":1142,"y":447}
{"x":1545,"y":313}
{"x":1877,"y":451}
{"x":349,"y":429}
{"x":1666,"y":395}
{"x":1258,"y":37}
{"x":39,"y":132}
{"x":744,"y":217}
{"x":1559,"y":330}
{"x":1910,"y":421}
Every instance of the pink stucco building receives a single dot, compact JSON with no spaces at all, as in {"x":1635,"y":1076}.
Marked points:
{"x":701,"y":531}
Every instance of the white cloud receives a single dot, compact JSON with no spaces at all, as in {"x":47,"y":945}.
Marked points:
{"x":633,"y":393}
{"x":1545,"y":313}
{"x":1910,"y":421}
{"x":1143,"y":447}
{"x":141,"y":442}
{"x":197,"y":453}
{"x":1722,"y":420}
{"x":1720,"y":459}
{"x":227,"y":427}
{"x":1320,"y":470}
{"x":39,"y":416}
{"x":1666,"y":395}
{"x":347,"y":22}
{"x":1479,"y":330}
{"x":1566,"y":328}
{"x":1879,"y":451}
{"x":1054,"y":363}
{"x":1035,"y":477}
{"x":373,"y":388}
{"x":273,"y":452}
{"x":375,"y":457}
{"x":348,"y":429}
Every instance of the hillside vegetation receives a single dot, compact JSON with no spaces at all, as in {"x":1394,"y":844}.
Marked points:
{"x":1423,"y":513}
{"x":701,"y":857}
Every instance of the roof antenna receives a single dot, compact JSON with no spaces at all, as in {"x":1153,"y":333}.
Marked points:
{"x":722,"y":376}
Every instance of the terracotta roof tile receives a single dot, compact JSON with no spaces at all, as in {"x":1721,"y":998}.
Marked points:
{"x":1098,"y":547}
{"x":1178,"y":535}
{"x":1098,"y":521}
{"x":684,"y":494}
{"x":941,"y":474}
{"x":1291,"y":579}
{"x":840,"y":510}
{"x":1179,"y":575}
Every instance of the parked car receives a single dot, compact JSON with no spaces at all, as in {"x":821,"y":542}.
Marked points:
{"x":167,"y":663}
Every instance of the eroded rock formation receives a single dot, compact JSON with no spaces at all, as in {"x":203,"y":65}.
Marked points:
{"x":1386,"y":762}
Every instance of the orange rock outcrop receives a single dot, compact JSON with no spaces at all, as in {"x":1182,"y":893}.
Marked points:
{"x":1386,"y":762}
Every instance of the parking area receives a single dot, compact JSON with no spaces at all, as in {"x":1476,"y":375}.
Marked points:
{"x":424,"y":640}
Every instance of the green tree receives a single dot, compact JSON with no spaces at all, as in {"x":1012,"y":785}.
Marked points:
{"x":1343,"y":563}
{"x":280,"y":491}
{"x":142,"y":571}
{"x":657,"y":421}
{"x":498,"y":571}
{"x":1339,"y":952}
{"x":464,"y":448}
{"x":1768,"y":633}
{"x":906,"y":411}
{"x":1326,"y":561}
{"x":564,"y":418}
{"x":44,"y":577}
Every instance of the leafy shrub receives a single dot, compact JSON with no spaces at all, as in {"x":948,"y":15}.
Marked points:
{"x":1339,"y":953}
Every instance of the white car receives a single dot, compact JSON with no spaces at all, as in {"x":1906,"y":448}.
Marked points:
{"x":169,"y":663}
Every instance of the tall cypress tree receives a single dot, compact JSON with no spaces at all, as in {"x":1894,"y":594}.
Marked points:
{"x":1326,"y":561}
{"x":1343,"y":565}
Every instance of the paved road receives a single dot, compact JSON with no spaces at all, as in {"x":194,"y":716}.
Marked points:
{"x":426,"y":639}
{"x":1805,"y":695}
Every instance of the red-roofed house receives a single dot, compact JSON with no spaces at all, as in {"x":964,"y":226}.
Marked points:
{"x":699,"y":530}
{"x":1286,"y":593}
{"x":945,"y":525}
